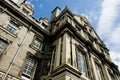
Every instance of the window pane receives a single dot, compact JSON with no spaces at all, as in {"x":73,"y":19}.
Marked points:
{"x":30,"y":67}
{"x":81,"y":63}
{"x":10,"y":28}
{"x":99,"y":72}
{"x":36,"y":43}
{"x":2,"y":46}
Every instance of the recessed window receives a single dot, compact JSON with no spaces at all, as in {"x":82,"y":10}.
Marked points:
{"x":3,"y":46}
{"x":82,"y":63}
{"x":99,"y":72}
{"x":37,"y":43}
{"x":30,"y":67}
{"x":12,"y":27}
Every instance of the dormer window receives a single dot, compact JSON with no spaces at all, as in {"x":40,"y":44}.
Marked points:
{"x":26,"y":12}
{"x":43,"y":26}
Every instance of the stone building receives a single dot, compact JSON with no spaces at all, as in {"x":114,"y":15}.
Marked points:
{"x":66,"y":47}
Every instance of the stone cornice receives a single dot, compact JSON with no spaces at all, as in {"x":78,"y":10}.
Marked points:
{"x":63,"y":68}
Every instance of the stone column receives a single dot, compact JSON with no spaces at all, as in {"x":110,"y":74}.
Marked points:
{"x":66,"y":57}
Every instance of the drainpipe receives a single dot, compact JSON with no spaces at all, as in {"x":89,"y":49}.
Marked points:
{"x":16,"y":54}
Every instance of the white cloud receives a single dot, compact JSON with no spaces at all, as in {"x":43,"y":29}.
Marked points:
{"x":116,"y":58}
{"x":75,"y":10}
{"x":15,"y":1}
{"x":113,"y":41}
{"x":85,"y":16}
{"x":115,"y":36}
{"x":29,"y":2}
{"x":109,"y":14}
{"x":109,"y":28}
{"x":93,"y":16}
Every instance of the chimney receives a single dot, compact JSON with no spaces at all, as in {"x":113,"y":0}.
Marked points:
{"x":55,"y":13}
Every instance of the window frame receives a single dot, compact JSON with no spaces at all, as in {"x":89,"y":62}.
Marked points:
{"x":85,"y":62}
{"x":7,"y":43}
{"x":33,"y":69}
{"x":101,"y":76}
{"x":37,"y":43}
{"x":32,"y":43}
{"x":12,"y":26}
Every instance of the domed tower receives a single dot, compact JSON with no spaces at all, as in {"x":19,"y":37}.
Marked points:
{"x":27,"y":8}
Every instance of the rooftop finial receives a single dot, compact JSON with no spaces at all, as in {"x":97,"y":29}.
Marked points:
{"x":66,"y":7}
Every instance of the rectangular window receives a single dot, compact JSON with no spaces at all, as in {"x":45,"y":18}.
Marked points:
{"x":99,"y":72}
{"x":12,"y":27}
{"x":30,"y":67}
{"x":3,"y":46}
{"x":37,"y":43}
{"x":82,"y":63}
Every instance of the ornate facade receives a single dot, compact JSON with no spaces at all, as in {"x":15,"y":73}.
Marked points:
{"x":66,"y":47}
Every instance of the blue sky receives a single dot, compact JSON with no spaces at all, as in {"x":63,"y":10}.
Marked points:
{"x":44,"y":8}
{"x":102,"y":14}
